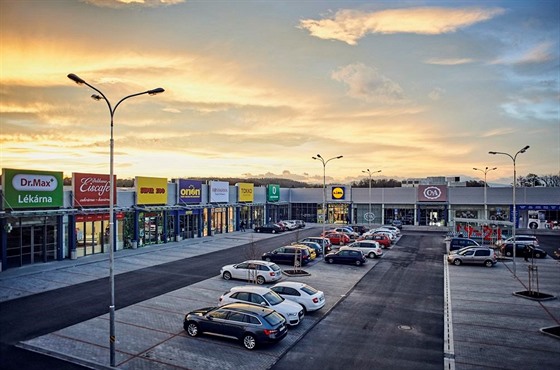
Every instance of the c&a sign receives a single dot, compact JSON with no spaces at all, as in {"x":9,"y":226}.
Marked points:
{"x":432,"y":193}
{"x":151,"y":190}
{"x":245,"y":192}
{"x":92,"y":189}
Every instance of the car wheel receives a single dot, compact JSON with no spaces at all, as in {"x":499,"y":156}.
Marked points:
{"x":537,"y":255}
{"x":192,"y":329}
{"x":249,"y":341}
{"x":508,"y":254}
{"x":226,"y":275}
{"x":260,"y":280}
{"x":488,"y":263}
{"x":457,"y":262}
{"x":371,"y":255}
{"x":330,"y":260}
{"x":358,"y":263}
{"x":274,"y":231}
{"x":258,"y":230}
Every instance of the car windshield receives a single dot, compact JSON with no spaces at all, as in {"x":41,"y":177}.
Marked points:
{"x":309,"y":290}
{"x":274,"y":318}
{"x":273,"y":298}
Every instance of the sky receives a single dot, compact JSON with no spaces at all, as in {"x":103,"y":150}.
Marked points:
{"x":257,"y":88}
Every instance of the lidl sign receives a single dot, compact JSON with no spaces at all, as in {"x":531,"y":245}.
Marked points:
{"x":338,"y":192}
{"x":32,"y":189}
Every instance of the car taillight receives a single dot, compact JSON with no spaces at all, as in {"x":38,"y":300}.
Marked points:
{"x":269,"y":332}
{"x":315,"y":300}
{"x":271,"y":273}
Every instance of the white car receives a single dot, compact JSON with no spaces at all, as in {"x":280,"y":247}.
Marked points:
{"x":394,"y":229}
{"x":370,"y":248}
{"x":310,"y":298}
{"x":293,"y":312}
{"x":389,"y":233}
{"x":253,"y":270}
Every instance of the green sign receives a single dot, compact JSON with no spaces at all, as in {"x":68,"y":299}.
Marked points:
{"x":273,"y":193}
{"x":32,"y":189}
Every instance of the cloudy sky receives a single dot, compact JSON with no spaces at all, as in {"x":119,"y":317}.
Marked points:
{"x":256,"y":88}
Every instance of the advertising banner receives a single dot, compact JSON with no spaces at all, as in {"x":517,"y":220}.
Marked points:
{"x":273,"y":193}
{"x":338,"y":193}
{"x":32,"y":189}
{"x":432,"y":193}
{"x":190,"y":191}
{"x":219,"y":192}
{"x":151,"y":190}
{"x":245,"y":192}
{"x":92,"y":189}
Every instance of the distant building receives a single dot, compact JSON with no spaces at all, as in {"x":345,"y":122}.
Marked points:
{"x":452,"y":181}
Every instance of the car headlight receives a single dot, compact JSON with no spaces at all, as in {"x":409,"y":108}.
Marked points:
{"x":292,"y":314}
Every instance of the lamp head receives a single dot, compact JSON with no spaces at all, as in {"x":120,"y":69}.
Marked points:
{"x":319,"y":156}
{"x":495,"y":168}
{"x":315,"y":158}
{"x":524,"y":149}
{"x":474,"y":168}
{"x":76,"y":79}
{"x":159,"y":90}
{"x":492,"y":152}
{"x":340,"y":156}
{"x":96,"y":97}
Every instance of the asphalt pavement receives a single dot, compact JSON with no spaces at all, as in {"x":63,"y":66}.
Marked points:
{"x":489,"y":322}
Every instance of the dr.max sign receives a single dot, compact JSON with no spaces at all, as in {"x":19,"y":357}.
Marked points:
{"x":32,"y":189}
{"x":432,"y":193}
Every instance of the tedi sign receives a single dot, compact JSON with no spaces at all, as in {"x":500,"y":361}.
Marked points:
{"x":32,"y":189}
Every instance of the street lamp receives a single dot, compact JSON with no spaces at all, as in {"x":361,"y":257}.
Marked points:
{"x":101,"y":96}
{"x":485,"y":171}
{"x":369,"y":212}
{"x":319,"y":158}
{"x":513,"y":158}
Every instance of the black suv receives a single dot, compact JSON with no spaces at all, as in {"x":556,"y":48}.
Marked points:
{"x":287,"y":255}
{"x":251,"y":324}
{"x":521,"y":250}
{"x":459,"y":243}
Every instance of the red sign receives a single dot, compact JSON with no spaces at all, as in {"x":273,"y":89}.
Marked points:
{"x":98,"y":217}
{"x":92,"y":189}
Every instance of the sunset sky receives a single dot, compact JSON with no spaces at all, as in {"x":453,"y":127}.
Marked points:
{"x":256,"y":88}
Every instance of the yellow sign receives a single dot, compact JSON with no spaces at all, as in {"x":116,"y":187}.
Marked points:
{"x":245,"y":191}
{"x":338,"y":192}
{"x":151,"y":190}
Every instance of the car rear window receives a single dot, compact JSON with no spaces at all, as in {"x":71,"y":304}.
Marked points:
{"x":274,"y":318}
{"x":309,"y":290}
{"x":275,"y":267}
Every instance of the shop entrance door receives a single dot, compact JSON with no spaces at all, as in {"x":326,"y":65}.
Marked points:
{"x":29,"y":244}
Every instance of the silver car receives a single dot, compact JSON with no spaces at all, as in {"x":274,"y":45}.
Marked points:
{"x":253,"y":270}
{"x":473,"y":255}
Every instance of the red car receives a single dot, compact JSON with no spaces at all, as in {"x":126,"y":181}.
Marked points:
{"x":383,"y":240}
{"x":337,"y":238}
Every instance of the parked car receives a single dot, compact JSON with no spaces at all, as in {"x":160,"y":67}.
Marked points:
{"x":337,"y":238}
{"x":369,"y":248}
{"x":360,"y":229}
{"x":322,"y":242}
{"x":289,"y":225}
{"x":252,"y":270}
{"x":397,"y":223}
{"x":391,"y":235}
{"x":287,"y":255}
{"x":394,"y":229}
{"x":299,"y":223}
{"x":353,"y":257}
{"x":534,"y":252}
{"x":251,"y":324}
{"x":346,"y":230}
{"x":312,"y":253}
{"x":382,"y":239}
{"x":523,"y":240}
{"x":316,"y":247}
{"x":265,"y":297}
{"x":459,"y":243}
{"x":268,"y":228}
{"x":473,"y":255}
{"x":308,"y":297}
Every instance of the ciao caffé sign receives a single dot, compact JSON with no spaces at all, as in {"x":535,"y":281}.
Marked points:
{"x":432,"y":193}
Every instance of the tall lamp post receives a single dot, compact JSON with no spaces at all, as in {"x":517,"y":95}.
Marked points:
{"x":324,"y":162}
{"x":485,"y":171}
{"x":112,"y":110}
{"x":513,"y":158}
{"x":369,"y":212}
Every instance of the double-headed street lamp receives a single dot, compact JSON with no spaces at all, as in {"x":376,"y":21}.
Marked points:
{"x":369,"y":218}
{"x":485,"y":171}
{"x":513,"y":158}
{"x":112,"y":110}
{"x":324,"y":162}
